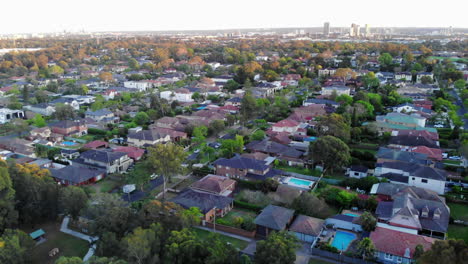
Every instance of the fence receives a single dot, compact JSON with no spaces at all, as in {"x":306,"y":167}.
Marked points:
{"x":232,"y":230}
{"x":338,"y":257}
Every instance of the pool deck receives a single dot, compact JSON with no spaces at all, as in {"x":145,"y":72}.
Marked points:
{"x":288,"y":182}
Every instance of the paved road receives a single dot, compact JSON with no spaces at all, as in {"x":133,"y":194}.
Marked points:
{"x":138,"y":194}
{"x":64,"y":228}
{"x":461,"y":110}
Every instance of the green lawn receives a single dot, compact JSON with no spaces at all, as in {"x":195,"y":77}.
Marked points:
{"x":234,"y":213}
{"x":458,"y":232}
{"x":458,"y":211}
{"x":68,"y":245}
{"x":452,"y":162}
{"x":203,"y":234}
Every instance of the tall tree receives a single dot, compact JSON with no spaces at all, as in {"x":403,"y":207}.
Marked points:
{"x":64,"y":111}
{"x":166,"y":160}
{"x":15,"y":247}
{"x":73,"y":199}
{"x":248,"y":107}
{"x":334,"y":125}
{"x":331,"y":152}
{"x":278,"y":248}
{"x":39,"y":121}
{"x":446,"y":251}
{"x":368,"y":221}
{"x":8,"y":214}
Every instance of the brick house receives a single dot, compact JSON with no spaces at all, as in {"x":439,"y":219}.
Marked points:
{"x":244,"y":168}
{"x":70,"y":128}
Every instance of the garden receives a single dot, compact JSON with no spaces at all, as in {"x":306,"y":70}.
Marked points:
{"x":239,"y":218}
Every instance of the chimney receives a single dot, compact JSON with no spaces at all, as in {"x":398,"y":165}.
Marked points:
{"x":437,"y":213}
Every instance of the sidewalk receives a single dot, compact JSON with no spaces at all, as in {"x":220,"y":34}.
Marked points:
{"x":225,"y":233}
{"x":64,"y":228}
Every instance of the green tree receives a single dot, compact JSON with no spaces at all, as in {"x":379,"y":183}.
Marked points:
{"x":141,"y":118}
{"x":248,"y":107}
{"x":231,"y":86}
{"x":216,"y":126}
{"x":15,"y":247}
{"x":418,"y":251}
{"x":41,"y":96}
{"x":133,"y":64}
{"x":385,"y":59}
{"x":366,"y":248}
{"x":8,"y":214}
{"x":26,"y":93}
{"x":39,"y":121}
{"x":334,"y":125}
{"x":73,"y":199}
{"x":368,"y":221}
{"x":55,"y":70}
{"x":138,"y":244}
{"x":69,"y":260}
{"x":258,"y":135}
{"x":231,"y":146}
{"x":460,"y":84}
{"x":331,"y":152}
{"x":19,"y":125}
{"x":311,"y":205}
{"x":446,"y":251}
{"x":166,"y":160}
{"x":184,"y":247}
{"x":278,"y":248}
{"x":199,"y":134}
{"x":64,"y":111}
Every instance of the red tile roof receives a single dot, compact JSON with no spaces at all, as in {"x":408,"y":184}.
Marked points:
{"x":286,"y":123}
{"x":432,"y":153}
{"x":132,"y":152}
{"x":396,"y":243}
{"x":95,"y":144}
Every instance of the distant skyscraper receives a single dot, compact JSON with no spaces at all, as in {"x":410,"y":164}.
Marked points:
{"x":326,"y":28}
{"x":367,"y":33}
{"x":354,"y":31}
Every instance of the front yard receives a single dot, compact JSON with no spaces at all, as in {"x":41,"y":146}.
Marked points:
{"x":237,"y":243}
{"x":68,"y":245}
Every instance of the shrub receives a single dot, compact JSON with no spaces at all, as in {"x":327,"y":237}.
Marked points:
{"x":248,"y":224}
{"x":254,"y":197}
{"x":95,"y":131}
{"x":248,"y":206}
{"x":328,"y":247}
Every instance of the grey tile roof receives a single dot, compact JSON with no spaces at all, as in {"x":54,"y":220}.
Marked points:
{"x":307,"y":225}
{"x":242,"y":163}
{"x":102,"y":156}
{"x":416,"y":170}
{"x":205,"y":201}
{"x":76,"y":174}
{"x":272,"y":147}
{"x":274,"y":217}
{"x":150,"y":135}
{"x":392,"y":154}
{"x":100,"y":112}
{"x":409,"y":140}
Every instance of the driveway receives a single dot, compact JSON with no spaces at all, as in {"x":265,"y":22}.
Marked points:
{"x":303,"y":254}
{"x":138,"y":194}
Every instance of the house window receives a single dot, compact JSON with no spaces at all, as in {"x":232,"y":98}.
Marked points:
{"x":414,"y":178}
{"x":423,"y":180}
{"x":356,"y":174}
{"x":388,"y":256}
{"x":399,"y":259}
{"x":250,"y":170}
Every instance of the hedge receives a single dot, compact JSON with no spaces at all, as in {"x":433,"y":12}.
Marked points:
{"x":95,"y":131}
{"x":248,"y":206}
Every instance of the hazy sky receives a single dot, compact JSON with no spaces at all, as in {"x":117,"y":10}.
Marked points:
{"x":102,"y":15}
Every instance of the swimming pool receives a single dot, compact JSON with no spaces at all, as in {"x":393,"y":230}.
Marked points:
{"x":299,"y":182}
{"x":68,"y":143}
{"x":353,"y":215}
{"x":343,"y":239}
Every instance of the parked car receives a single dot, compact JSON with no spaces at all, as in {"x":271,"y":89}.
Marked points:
{"x":455,"y":158}
{"x":153,"y":176}
{"x":439,"y":126}
{"x":129,"y":188}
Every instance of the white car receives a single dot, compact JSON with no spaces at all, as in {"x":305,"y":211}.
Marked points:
{"x":153,"y":176}
{"x":455,"y":158}
{"x":439,"y":126}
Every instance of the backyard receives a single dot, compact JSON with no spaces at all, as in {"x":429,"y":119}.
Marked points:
{"x":203,"y":234}
{"x":105,"y":185}
{"x":459,"y":211}
{"x":237,"y":218}
{"x":458,"y":232}
{"x":68,"y":245}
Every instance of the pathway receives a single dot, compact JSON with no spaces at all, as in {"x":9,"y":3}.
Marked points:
{"x":64,"y":228}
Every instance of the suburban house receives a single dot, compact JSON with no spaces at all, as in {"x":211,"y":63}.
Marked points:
{"x":40,"y":133}
{"x":141,"y":86}
{"x":6,"y":115}
{"x":69,"y":153}
{"x":280,"y":151}
{"x":173,"y":134}
{"x":211,"y":205}
{"x":306,"y":114}
{"x":392,"y":246}
{"x":181,"y":95}
{"x":420,"y":75}
{"x":245,"y":168}
{"x":405,"y":142}
{"x":306,"y":228}
{"x":74,"y":175}
{"x":326,"y":72}
{"x":132,"y":152}
{"x":215,"y":184}
{"x":286,"y":125}
{"x":414,"y":209}
{"x":102,"y":115}
{"x":412,"y":174}
{"x":66,"y":101}
{"x":144,"y":138}
{"x":406,"y":76}
{"x":357,"y":171}
{"x":340,"y":90}
{"x":96,"y":144}
{"x":388,"y":154}
{"x":273,"y":218}
{"x":111,"y":162}
{"x":435,"y":154}
{"x":42,"y":108}
{"x":70,"y":128}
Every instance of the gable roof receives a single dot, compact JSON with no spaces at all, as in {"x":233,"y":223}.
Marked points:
{"x":75,"y":174}
{"x":213,"y":183}
{"x":274,"y":217}
{"x":239,"y":162}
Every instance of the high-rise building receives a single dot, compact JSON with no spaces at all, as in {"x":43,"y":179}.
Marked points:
{"x":326,"y":28}
{"x":354,"y":31}
{"x":367,"y":33}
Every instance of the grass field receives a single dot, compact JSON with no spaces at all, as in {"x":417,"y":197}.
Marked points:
{"x":319,"y":261}
{"x":68,"y":245}
{"x":231,"y":216}
{"x":300,"y":170}
{"x":458,"y":211}
{"x":452,"y":162}
{"x":203,"y":234}
{"x":458,"y":232}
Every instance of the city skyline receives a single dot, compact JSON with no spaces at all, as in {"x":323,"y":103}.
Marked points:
{"x":143,"y":15}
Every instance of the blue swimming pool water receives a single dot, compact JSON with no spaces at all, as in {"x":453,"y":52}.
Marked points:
{"x":68,"y":143}
{"x":342,"y":240}
{"x":350,"y":214}
{"x":300,"y":182}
